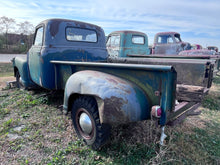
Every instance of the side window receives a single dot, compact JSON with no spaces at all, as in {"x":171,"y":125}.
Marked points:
{"x":39,"y":37}
{"x":159,"y":40}
{"x":138,"y":39}
{"x":165,"y":39}
{"x":162,"y":40}
{"x":170,"y":39}
{"x":113,"y":41}
{"x":79,"y":34}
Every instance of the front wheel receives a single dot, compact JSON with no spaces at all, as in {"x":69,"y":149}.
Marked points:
{"x":18,"y":81}
{"x":85,"y":117}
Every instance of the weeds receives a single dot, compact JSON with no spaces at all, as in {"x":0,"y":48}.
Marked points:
{"x":7,"y":125}
{"x":4,"y":112}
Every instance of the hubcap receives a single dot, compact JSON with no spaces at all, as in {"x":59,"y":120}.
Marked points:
{"x":85,"y":123}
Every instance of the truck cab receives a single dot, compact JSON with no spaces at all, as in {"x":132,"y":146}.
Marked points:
{"x":212,"y":48}
{"x":169,"y":43}
{"x":59,"y":39}
{"x":124,"y":43}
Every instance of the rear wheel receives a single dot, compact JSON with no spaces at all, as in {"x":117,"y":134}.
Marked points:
{"x":85,"y":117}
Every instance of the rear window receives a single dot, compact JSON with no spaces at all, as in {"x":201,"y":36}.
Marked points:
{"x":138,"y":39}
{"x":81,"y":35}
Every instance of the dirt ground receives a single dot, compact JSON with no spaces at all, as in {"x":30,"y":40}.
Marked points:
{"x":3,"y":81}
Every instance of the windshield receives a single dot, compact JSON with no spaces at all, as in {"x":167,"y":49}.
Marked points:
{"x":177,"y":38}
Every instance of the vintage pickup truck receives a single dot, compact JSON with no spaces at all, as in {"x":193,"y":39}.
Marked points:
{"x":71,"y":56}
{"x":169,"y":43}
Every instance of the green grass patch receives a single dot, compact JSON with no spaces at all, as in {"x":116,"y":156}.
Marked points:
{"x":216,"y":79}
{"x":117,"y":153}
{"x":4,"y":112}
{"x":201,"y":146}
{"x":212,"y":102}
{"x":6,"y":69}
{"x":7,"y":125}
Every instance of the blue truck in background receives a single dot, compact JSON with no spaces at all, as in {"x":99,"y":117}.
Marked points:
{"x":71,"y":56}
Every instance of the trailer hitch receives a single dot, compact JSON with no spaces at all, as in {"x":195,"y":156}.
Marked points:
{"x":162,"y":136}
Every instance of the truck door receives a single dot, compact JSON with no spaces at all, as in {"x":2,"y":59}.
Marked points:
{"x":113,"y":45}
{"x":165,"y":45}
{"x":34,"y":59}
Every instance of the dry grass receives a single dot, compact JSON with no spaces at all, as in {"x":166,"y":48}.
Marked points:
{"x":35,"y":131}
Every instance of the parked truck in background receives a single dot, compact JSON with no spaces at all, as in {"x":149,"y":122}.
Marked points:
{"x":71,"y":56}
{"x":169,"y":43}
{"x":212,"y":48}
{"x":192,"y":70}
{"x":125,"y":46}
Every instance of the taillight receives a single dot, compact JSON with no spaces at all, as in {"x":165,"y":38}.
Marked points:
{"x":156,"y":111}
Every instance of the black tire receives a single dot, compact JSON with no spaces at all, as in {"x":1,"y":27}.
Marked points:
{"x":97,"y":134}
{"x":18,"y":81}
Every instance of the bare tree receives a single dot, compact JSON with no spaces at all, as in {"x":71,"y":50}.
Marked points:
{"x":6,"y":24}
{"x":25,"y":28}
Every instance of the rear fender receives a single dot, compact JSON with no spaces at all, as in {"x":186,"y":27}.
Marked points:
{"x":119,"y":101}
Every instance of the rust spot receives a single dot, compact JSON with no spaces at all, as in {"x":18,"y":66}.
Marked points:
{"x":113,"y":112}
{"x":54,"y":28}
{"x":125,"y":41}
{"x":157,"y":93}
{"x":112,"y":81}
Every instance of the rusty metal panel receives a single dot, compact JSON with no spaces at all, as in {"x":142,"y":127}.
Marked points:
{"x":156,"y":84}
{"x":215,"y":59}
{"x":189,"y":72}
{"x":123,"y":101}
{"x":197,"y":52}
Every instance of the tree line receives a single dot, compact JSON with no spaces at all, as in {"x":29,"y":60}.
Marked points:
{"x":15,"y":37}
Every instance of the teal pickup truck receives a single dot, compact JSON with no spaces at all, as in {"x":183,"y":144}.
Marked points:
{"x":71,"y":56}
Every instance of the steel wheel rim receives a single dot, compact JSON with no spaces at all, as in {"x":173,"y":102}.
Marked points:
{"x":85,"y":123}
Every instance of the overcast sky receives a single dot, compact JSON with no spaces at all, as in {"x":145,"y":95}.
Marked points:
{"x":198,"y":21}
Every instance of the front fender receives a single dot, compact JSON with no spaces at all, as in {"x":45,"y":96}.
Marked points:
{"x":119,"y":101}
{"x":20,"y":64}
